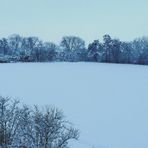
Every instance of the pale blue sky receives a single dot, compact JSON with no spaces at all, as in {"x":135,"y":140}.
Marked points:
{"x":89,"y":19}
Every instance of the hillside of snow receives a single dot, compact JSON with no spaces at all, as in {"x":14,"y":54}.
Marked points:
{"x":107,"y":102}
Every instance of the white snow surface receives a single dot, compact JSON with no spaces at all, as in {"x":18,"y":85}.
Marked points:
{"x":107,"y":102}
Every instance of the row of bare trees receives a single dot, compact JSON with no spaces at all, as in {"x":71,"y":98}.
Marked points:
{"x":25,"y":127}
{"x":72,"y":49}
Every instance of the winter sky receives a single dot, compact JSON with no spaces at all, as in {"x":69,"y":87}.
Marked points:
{"x":89,"y":19}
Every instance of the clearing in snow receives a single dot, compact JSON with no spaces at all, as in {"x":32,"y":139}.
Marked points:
{"x":107,"y":102}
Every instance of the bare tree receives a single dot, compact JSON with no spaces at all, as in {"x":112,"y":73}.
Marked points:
{"x":51,"y":129}
{"x":4,"y":46}
{"x":72,"y":47}
{"x":72,"y":43}
{"x":9,"y":120}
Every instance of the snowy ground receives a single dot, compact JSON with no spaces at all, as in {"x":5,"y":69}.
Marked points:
{"x":107,"y":102}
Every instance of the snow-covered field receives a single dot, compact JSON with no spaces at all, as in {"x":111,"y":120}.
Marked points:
{"x":107,"y":102}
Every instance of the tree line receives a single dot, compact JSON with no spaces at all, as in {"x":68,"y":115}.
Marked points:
{"x":24,"y":127}
{"x":73,"y":49}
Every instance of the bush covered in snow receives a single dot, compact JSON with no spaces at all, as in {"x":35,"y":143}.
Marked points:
{"x":25,"y":127}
